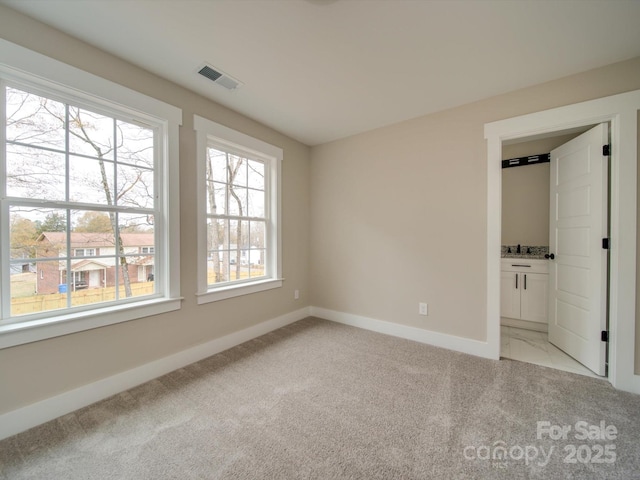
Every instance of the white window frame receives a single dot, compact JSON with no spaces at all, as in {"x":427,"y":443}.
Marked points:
{"x":210,"y":133}
{"x":41,"y":72}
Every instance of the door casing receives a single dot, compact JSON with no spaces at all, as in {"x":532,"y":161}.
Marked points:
{"x":621,"y":111}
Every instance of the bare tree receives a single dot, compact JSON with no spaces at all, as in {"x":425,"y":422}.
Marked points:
{"x":233,"y":166}
{"x":37,"y":129}
{"x":81,"y":132}
{"x":220,"y":234}
{"x":229,"y":174}
{"x":214,"y":236}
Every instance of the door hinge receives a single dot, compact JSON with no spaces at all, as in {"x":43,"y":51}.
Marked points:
{"x":605,"y":243}
{"x":604,"y":336}
{"x":606,"y":150}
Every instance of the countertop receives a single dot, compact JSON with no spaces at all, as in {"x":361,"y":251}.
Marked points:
{"x":523,"y":256}
{"x":527,"y":252}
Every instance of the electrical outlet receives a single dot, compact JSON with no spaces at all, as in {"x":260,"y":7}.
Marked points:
{"x":296,"y":294}
{"x":423,"y":309}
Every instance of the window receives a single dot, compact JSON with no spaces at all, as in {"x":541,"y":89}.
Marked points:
{"x":84,"y":184}
{"x":79,"y":280}
{"x":238,"y":195}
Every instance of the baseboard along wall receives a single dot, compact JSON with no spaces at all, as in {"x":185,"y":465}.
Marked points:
{"x":27,"y":417}
{"x":429,"y":337}
{"x":24,"y":418}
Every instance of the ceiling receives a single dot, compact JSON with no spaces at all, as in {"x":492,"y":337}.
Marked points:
{"x":319,"y":70}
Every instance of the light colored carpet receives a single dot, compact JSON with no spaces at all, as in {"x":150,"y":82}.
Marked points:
{"x":319,"y":400}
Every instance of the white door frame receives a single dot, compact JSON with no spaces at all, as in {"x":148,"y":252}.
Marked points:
{"x":621,"y":111}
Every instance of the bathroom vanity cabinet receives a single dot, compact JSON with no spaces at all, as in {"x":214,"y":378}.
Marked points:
{"x":524,"y":289}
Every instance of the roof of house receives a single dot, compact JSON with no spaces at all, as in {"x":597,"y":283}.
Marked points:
{"x":93,"y":264}
{"x":92,"y":240}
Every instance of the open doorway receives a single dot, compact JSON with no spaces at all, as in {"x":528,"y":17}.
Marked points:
{"x":527,"y":267}
{"x":621,"y":112}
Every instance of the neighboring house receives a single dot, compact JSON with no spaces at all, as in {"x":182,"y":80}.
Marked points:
{"x":93,"y":260}
{"x":248,"y":255}
{"x":27,"y":266}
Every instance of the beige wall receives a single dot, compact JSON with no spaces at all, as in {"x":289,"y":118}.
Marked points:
{"x":525,"y":194}
{"x":392,"y":217}
{"x":32,"y":372}
{"x":399,"y":214}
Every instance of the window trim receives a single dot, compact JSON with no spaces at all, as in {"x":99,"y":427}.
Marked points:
{"x":233,"y":141}
{"x":31,"y":68}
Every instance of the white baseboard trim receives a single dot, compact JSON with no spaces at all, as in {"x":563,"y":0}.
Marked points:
{"x":24,"y":418}
{"x":443,"y":340}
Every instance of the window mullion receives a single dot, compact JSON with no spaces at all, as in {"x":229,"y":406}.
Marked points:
{"x":39,"y":147}
{"x":227,"y":184}
{"x":3,"y":141}
{"x":115,"y":162}
{"x":67,"y":188}
{"x":5,"y":293}
{"x":236,"y":217}
{"x":114,"y":201}
{"x":55,"y":204}
{"x":116,"y":237}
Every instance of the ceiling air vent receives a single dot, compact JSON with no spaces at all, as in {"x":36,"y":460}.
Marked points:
{"x":219,"y":77}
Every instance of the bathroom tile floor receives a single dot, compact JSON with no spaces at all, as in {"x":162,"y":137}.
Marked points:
{"x":534,"y":347}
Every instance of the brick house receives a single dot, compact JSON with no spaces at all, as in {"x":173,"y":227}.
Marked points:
{"x":93,"y":260}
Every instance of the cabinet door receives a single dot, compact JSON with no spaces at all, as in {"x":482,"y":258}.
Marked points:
{"x":534,"y":297}
{"x":509,"y":295}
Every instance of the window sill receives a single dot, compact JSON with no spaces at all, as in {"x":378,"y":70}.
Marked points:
{"x":231,"y":291}
{"x":19,"y":333}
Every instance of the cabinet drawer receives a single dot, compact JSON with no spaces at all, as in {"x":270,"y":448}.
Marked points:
{"x":524,"y":266}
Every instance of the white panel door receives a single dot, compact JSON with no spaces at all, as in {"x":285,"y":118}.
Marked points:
{"x":94,"y":278}
{"x":577,"y":274}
